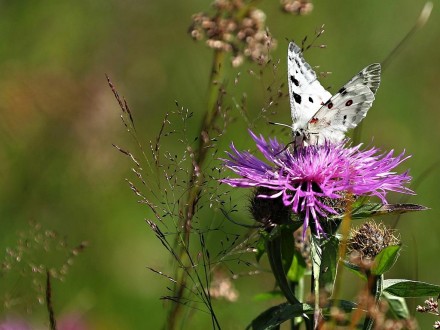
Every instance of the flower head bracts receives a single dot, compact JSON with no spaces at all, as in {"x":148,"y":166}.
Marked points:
{"x":304,"y":178}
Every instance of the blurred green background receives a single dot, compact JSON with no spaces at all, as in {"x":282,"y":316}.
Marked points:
{"x":59,"y":119}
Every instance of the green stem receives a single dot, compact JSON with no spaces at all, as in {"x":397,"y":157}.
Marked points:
{"x":298,"y":288}
{"x":342,"y":250}
{"x":316,"y":254}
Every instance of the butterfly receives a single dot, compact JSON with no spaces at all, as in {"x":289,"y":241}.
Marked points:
{"x":318,"y":117}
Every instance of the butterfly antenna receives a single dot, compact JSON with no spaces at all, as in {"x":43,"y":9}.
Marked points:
{"x":421,"y":21}
{"x":280,"y":124}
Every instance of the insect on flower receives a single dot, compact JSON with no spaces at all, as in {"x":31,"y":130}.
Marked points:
{"x":318,"y":117}
{"x":306,"y":179}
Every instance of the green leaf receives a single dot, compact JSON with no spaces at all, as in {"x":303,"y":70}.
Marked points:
{"x":288,"y":225}
{"x":265,"y":236}
{"x":276,"y":315}
{"x":376,"y":209}
{"x":359,"y":202}
{"x":268,"y":295}
{"x":297,"y":268}
{"x":397,"y":306}
{"x":355,"y":269}
{"x":316,"y":254}
{"x":287,"y":248}
{"x":410,"y":289}
{"x":273,"y":234}
{"x":329,"y":263}
{"x":385,"y":259}
{"x":261,"y":247}
{"x":274,"y":249}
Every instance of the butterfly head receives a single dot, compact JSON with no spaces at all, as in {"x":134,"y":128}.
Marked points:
{"x":300,"y":136}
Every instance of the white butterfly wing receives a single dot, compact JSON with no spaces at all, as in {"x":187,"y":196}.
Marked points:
{"x":346,"y":108}
{"x":306,"y":93}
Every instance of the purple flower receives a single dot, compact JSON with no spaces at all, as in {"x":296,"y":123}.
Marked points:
{"x":305,"y":178}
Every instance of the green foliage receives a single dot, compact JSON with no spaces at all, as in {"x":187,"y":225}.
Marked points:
{"x":280,"y":263}
{"x":329,"y":263}
{"x":297,"y":268}
{"x":367,"y":210}
{"x":385,"y":259}
{"x":397,"y":305}
{"x":410,"y":289}
{"x":276,"y":315}
{"x":268,"y":295}
{"x":286,"y":229}
{"x":355,"y":269}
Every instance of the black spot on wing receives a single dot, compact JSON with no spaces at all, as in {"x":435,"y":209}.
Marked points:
{"x":310,"y":100}
{"x":344,"y":120}
{"x":297,"y":98}
{"x":342,"y":91}
{"x":294,"y":48}
{"x":296,"y":82}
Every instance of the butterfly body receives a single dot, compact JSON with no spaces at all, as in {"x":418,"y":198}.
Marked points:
{"x":318,"y":117}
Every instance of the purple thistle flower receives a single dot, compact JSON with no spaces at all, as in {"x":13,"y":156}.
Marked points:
{"x":306,"y":177}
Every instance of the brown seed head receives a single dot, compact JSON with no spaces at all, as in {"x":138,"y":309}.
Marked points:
{"x":299,"y":7}
{"x":236,"y":28}
{"x":268,"y":211}
{"x":367,"y":241}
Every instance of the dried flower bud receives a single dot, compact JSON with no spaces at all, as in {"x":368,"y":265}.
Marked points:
{"x":196,"y":35}
{"x":230,"y":30}
{"x":258,"y":16}
{"x":431,"y":306}
{"x":367,"y":241}
{"x":237,"y":61}
{"x":222,"y":287}
{"x":299,"y":7}
{"x":268,"y":211}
